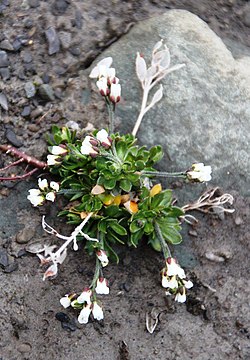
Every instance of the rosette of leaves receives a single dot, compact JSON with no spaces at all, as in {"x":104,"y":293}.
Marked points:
{"x":118,"y":171}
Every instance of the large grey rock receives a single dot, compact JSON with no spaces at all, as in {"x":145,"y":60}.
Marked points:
{"x":204,"y":115}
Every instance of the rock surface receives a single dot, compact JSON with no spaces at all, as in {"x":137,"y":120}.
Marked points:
{"x":204,"y":113}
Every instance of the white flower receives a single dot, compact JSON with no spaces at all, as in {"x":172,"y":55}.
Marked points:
{"x":97,"y":311}
{"x":35,"y":197}
{"x":54,"y":185}
{"x":87,"y":148}
{"x":101,"y":68}
{"x":181,"y":297}
{"x":83,"y":317}
{"x":52,"y":160}
{"x":102,"y":287}
{"x":85,"y":297}
{"x":188,"y":284}
{"x":103,"y":137}
{"x":169,"y":282}
{"x":65,"y":301}
{"x":115,"y":93}
{"x":102,"y":85}
{"x":102,"y":256}
{"x":200,"y":172}
{"x":50,"y":196}
{"x":43,"y":184}
{"x":174,"y":269}
{"x":58,"y":150}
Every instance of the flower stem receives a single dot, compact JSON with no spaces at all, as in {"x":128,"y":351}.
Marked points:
{"x":164,"y":174}
{"x":97,"y":273}
{"x":164,"y":246}
{"x":142,"y":112}
{"x":111,"y":112}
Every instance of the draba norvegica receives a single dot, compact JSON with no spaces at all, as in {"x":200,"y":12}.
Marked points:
{"x":108,"y":182}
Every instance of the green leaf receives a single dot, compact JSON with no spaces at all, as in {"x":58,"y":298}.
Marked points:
{"x":171,"y":234}
{"x":136,"y":237}
{"x":112,"y":211}
{"x":155,"y":243}
{"x":121,"y":149}
{"x":102,"y":226}
{"x":120,"y":230}
{"x":111,"y":252}
{"x":137,"y":225}
{"x":109,"y":184}
{"x":148,"y":228}
{"x":125,"y":185}
{"x":164,"y":198}
{"x":156,"y":153}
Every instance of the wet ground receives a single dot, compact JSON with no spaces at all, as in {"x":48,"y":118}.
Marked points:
{"x":50,"y":44}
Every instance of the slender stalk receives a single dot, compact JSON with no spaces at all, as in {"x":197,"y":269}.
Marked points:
{"x":164,"y":246}
{"x":111,"y":112}
{"x":163,"y":174}
{"x":97,"y":273}
{"x":142,"y":112}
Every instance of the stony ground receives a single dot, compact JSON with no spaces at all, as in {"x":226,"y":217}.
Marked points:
{"x":45,"y":46}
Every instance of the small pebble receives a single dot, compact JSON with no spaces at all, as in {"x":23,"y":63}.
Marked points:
{"x":193,"y":233}
{"x":33,"y":128}
{"x":70,"y":326}
{"x":3,"y":101}
{"x":11,"y":267}
{"x":238,"y":220}
{"x":212,"y":257}
{"x":4,"y":61}
{"x":6,"y":45}
{"x":29,"y":89}
{"x":46,"y":92}
{"x":25,"y":235}
{"x":75,"y":50}
{"x":53,"y":40}
{"x":61,"y":316}
{"x":24,"y":348}
{"x":21,"y":253}
{"x":65,"y":38}
{"x":11,"y":137}
{"x":16,"y":44}
{"x":26,"y":111}
{"x":59,"y":7}
{"x":34,"y":3}
{"x":26,"y":56}
{"x":4,"y":259}
{"x":5,"y":73}
{"x":78,"y":19}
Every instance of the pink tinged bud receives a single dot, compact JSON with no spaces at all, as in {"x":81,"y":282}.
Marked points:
{"x":102,"y":85}
{"x":83,"y":317}
{"x":51,"y":271}
{"x":85,"y":297}
{"x":58,"y":150}
{"x":102,"y":287}
{"x":102,"y":256}
{"x":103,"y":137}
{"x":87,"y":148}
{"x":53,"y":160}
{"x":115,"y":93}
{"x":97,"y":311}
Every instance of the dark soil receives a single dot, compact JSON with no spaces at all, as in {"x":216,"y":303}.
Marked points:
{"x":214,"y":323}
